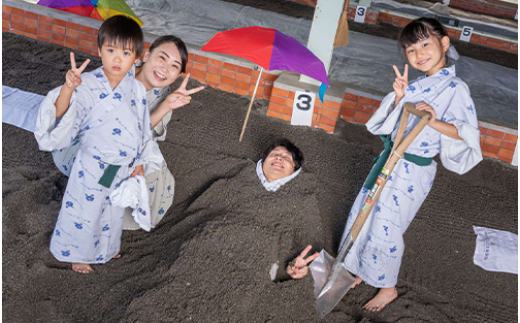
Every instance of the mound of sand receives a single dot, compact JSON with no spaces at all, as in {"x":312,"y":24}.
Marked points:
{"x":209,"y":259}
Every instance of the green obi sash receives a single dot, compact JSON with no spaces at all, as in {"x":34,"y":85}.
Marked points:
{"x":109,"y":175}
{"x":381,"y":161}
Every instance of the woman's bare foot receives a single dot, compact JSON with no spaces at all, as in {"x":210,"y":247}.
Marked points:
{"x":82,"y":268}
{"x":357,"y":282}
{"x":383,"y":298}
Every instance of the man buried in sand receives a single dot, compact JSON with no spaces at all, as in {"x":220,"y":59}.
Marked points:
{"x":105,"y":113}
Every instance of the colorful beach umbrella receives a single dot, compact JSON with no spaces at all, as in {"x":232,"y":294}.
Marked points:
{"x":270,"y":49}
{"x":97,"y":9}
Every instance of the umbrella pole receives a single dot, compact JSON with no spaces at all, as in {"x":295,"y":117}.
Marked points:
{"x":250,"y":105}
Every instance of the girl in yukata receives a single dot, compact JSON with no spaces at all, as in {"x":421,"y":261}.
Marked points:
{"x":104,"y":113}
{"x":160,"y":67}
{"x":453,"y":133}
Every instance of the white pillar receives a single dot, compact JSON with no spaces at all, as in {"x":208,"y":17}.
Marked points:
{"x":323,"y":32}
{"x":515,"y":156}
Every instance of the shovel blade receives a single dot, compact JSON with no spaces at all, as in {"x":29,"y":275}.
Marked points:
{"x":328,"y":300}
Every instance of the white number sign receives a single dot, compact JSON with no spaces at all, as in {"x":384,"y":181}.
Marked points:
{"x":466,"y":33}
{"x":303,"y":107}
{"x":361,"y":13}
{"x":516,"y":16}
{"x":446,"y":2}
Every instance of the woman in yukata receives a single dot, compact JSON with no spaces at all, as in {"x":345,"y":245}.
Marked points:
{"x":160,"y":67}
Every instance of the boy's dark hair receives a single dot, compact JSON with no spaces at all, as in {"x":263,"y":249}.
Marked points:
{"x":420,"y":29}
{"x":121,"y":31}
{"x":181,"y":47}
{"x":283,"y":142}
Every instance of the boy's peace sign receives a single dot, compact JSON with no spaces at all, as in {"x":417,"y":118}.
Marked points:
{"x":181,"y":96}
{"x":73,"y":76}
{"x":401,"y":81}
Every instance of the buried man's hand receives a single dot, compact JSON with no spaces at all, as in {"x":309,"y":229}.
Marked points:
{"x":298,"y":267}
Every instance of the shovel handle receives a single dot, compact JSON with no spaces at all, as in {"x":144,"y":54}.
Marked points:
{"x":410,"y":107}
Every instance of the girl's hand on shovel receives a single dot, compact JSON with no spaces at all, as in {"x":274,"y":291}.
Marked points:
{"x":298,"y":267}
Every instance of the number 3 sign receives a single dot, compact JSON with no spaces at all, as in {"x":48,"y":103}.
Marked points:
{"x":361,"y":13}
{"x":303,"y":108}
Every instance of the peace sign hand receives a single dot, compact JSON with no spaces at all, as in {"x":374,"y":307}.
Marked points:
{"x":73,"y":76}
{"x":182,"y":96}
{"x":401,"y":81}
{"x":298,"y":267}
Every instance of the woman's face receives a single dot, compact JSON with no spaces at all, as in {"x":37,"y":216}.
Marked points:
{"x":161,"y":67}
{"x":278,"y":164}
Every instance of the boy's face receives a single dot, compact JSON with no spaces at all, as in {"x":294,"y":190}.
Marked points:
{"x":116,"y":62}
{"x":278,"y":164}
{"x":162,"y":66}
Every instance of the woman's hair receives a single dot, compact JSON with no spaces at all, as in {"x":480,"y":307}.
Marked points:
{"x":181,"y":47}
{"x":121,"y":31}
{"x":283,"y":142}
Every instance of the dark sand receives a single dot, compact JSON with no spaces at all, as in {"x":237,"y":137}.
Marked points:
{"x":209,"y":259}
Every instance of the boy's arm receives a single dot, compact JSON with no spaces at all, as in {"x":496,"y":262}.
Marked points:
{"x":72,"y":81}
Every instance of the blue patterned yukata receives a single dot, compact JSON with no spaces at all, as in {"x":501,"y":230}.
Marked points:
{"x":376,"y":254}
{"x":108,"y":127}
{"x":161,"y":184}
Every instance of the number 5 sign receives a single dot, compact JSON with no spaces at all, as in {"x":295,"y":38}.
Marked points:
{"x":466,"y":33}
{"x":303,"y":108}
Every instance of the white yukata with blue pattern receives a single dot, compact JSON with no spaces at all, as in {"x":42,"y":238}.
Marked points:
{"x":108,"y":127}
{"x":161,"y":184}
{"x":376,"y":254}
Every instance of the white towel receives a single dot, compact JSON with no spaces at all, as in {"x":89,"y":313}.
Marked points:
{"x":496,"y":250}
{"x":134,"y":193}
{"x":20,"y":108}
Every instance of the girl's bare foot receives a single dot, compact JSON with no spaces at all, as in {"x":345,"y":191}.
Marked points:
{"x":82,"y":268}
{"x":357,"y":282}
{"x":118,"y":256}
{"x":383,"y":298}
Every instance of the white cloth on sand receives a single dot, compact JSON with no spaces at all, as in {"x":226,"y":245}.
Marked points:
{"x":273,"y":186}
{"x":133,"y":193}
{"x":496,"y":250}
{"x":20,"y":108}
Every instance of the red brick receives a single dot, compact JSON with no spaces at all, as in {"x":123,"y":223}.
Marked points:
{"x":241,"y":92}
{"x":72,"y":33}
{"x":6,"y":8}
{"x":71,"y":40}
{"x":4,"y":29}
{"x":18,"y":27}
{"x":73,"y":26}
{"x":350,"y":97}
{"x":364,"y":108}
{"x":242,"y":86}
{"x":44,"y":33}
{"x":276,"y":107}
{"x":190,"y":56}
{"x":17,"y":11}
{"x":227,"y":81}
{"x":243,"y":77}
{"x":17,"y":19}
{"x":291,"y":95}
{"x":326,"y":128}
{"x":495,"y":133}
{"x":332,"y":105}
{"x":274,"y":114}
{"x":85,"y":44}
{"x":57,"y":42}
{"x":201,"y":59}
{"x":6,"y":16}
{"x":287,"y":117}
{"x":214,"y":70}
{"x":347,"y":112}
{"x":18,"y":32}
{"x":31,"y":30}
{"x":87,"y":37}
{"x":197,"y":73}
{"x":228,"y":73}
{"x":510,"y":137}
{"x":366,"y":100}
{"x":215,"y":62}
{"x":272,"y":77}
{"x":245,"y":70}
{"x":483,"y":130}
{"x":213,"y":78}
{"x":362,"y":116}
{"x":45,"y":19}
{"x":86,"y":29}
{"x":33,"y":36}
{"x":59,"y":22}
{"x":490,"y":149}
{"x":492,"y":141}
{"x":212,"y":84}
{"x":330,"y":113}
{"x":280,"y":92}
{"x":327,"y":121}
{"x":288,"y":111}
{"x":289,"y":103}
{"x":6,"y":24}
{"x":226,"y":88}
{"x":377,"y":104}
{"x":72,"y":46}
{"x":85,"y":50}
{"x":231,"y":67}
{"x":509,"y":160}
{"x":199,"y":66}
{"x":279,"y":100}
{"x":506,"y":153}
{"x":58,"y":30}
{"x":348,"y":104}
{"x":31,"y":22}
{"x":508,"y":145}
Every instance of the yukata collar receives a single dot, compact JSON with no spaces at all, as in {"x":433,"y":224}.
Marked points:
{"x":276,"y":184}
{"x":447,"y":71}
{"x":101,"y":76}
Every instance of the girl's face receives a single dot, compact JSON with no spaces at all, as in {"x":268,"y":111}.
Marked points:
{"x":161,"y":67}
{"x":428,"y":55}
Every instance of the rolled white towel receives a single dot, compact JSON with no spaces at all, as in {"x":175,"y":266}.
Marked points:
{"x":134,"y":193}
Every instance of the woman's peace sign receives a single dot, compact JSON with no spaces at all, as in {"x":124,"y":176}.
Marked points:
{"x":73,"y":76}
{"x":401,"y":81}
{"x":181,"y":96}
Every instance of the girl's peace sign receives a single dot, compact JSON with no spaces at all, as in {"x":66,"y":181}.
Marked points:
{"x":73,"y":76}
{"x":401,"y":81}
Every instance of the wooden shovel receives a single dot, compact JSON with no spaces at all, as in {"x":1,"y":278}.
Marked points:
{"x":340,"y":280}
{"x":341,"y":38}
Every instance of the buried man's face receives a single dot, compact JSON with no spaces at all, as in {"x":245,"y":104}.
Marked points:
{"x":278,"y":164}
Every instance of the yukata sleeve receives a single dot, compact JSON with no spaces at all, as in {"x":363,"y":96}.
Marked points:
{"x":159,"y":132}
{"x":460,"y":156}
{"x":149,"y":155}
{"x":385,"y":118}
{"x":52,"y":133}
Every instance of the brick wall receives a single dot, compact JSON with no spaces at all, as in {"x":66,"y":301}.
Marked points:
{"x":492,"y":9}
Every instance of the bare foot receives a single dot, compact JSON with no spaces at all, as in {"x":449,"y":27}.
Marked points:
{"x":357,"y":282}
{"x":383,"y":298}
{"x":115,"y":257}
{"x":82,"y":268}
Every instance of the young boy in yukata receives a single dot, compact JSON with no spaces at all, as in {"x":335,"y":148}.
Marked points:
{"x":105,"y":113}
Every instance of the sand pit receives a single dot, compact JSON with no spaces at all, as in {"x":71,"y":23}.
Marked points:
{"x":209,"y":259}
